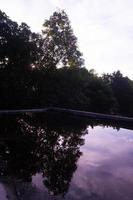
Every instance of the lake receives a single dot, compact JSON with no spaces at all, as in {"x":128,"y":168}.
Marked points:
{"x":48,"y":156}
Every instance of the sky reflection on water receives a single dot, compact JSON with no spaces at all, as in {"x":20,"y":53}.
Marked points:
{"x":48,"y":158}
{"x":105,"y":169}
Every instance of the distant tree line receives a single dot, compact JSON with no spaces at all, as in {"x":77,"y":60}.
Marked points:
{"x":38,"y":70}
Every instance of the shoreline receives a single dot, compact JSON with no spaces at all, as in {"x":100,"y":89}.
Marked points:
{"x":71,"y":112}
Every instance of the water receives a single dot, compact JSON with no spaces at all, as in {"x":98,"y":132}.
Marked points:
{"x":58,"y":157}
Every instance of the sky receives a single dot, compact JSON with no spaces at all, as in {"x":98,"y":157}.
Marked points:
{"x":104,"y":28}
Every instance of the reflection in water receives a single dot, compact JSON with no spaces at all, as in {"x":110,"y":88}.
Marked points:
{"x":106,"y":168}
{"x":30,"y":145}
{"x":49,"y":148}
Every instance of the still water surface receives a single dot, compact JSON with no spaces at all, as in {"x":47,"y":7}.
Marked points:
{"x":56,"y":157}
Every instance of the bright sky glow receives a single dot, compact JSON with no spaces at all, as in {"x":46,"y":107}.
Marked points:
{"x":104,"y":28}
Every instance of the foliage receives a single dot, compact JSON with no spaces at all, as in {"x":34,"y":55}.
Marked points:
{"x":47,"y":70}
{"x":18,"y":53}
{"x":59,"y":43}
{"x":123,"y":90}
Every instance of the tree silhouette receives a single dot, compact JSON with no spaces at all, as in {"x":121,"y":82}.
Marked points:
{"x":40,"y":70}
{"x":123,"y":90}
{"x":19,"y":51}
{"x":59,"y":43}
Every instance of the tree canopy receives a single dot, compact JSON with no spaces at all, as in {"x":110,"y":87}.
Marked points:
{"x":38,"y":70}
{"x":59,"y":43}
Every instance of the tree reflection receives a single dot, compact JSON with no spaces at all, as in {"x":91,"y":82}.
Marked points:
{"x":30,"y":145}
{"x":17,"y":149}
{"x":36,"y":143}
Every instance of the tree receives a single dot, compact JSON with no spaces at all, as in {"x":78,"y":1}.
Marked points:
{"x":19,"y":51}
{"x":100,"y":94}
{"x":59,"y":43}
{"x":18,"y":45}
{"x":123,"y":90}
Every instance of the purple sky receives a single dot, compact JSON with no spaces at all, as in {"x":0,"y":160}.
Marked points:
{"x":104,"y":28}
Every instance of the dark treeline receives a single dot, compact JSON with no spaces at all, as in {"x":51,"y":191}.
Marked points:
{"x":38,"y":70}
